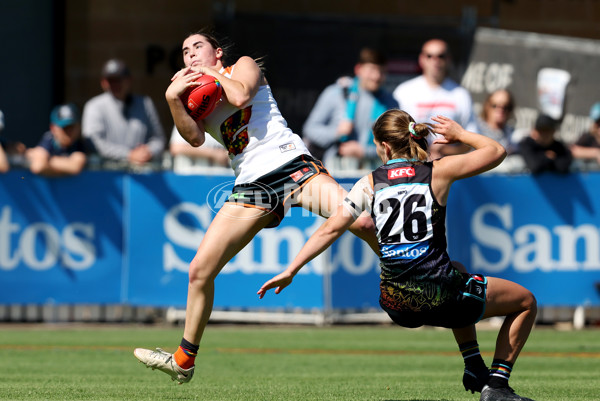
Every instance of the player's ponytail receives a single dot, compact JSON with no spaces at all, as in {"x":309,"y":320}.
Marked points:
{"x":406,"y":138}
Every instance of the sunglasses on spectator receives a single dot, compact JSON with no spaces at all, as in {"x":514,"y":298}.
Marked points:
{"x":505,"y":107}
{"x":441,"y":56}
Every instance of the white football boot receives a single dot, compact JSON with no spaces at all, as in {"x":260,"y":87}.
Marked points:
{"x":164,"y":362}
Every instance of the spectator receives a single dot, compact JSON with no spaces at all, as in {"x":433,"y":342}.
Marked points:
{"x":342,"y":118}
{"x":121,"y":125}
{"x":211,"y":153}
{"x":11,"y":152}
{"x":587,"y":147}
{"x":4,"y":165}
{"x":541,"y":151}
{"x":434,"y":93}
{"x":494,"y":119}
{"x":61,"y":151}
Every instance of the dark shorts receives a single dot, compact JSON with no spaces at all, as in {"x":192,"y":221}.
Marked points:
{"x":464,"y":311}
{"x":276,"y":191}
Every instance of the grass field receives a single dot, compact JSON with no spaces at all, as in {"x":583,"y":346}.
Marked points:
{"x":242,"y":362}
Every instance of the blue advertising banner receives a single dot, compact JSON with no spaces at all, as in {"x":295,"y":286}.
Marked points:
{"x":355,"y":274}
{"x":354,"y":270}
{"x":60,"y":239}
{"x":168,"y":216}
{"x":109,"y":237}
{"x":542,"y":232}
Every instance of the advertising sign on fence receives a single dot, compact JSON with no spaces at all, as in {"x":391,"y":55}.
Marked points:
{"x":61,"y":238}
{"x":540,"y":231}
{"x":109,"y":238}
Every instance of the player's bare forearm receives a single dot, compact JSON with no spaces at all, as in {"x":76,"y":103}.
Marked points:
{"x":331,"y":230}
{"x":192,"y":131}
{"x":243,"y":85}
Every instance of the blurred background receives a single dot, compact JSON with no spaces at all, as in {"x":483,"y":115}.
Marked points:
{"x":53,"y":50}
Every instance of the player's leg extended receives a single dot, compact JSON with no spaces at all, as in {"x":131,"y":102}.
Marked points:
{"x":505,"y":298}
{"x":230,"y":231}
{"x":322,"y":195}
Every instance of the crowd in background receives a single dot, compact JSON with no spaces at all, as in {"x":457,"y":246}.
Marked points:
{"x":119,"y":129}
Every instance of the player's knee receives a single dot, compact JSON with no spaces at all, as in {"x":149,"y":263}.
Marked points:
{"x":530,"y":303}
{"x":199,"y":273}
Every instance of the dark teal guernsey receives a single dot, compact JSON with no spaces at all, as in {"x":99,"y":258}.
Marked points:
{"x":416,"y":271}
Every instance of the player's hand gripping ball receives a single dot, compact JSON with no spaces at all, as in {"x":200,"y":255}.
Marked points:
{"x":200,"y":101}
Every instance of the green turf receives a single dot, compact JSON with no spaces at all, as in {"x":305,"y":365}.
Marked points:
{"x":45,"y":362}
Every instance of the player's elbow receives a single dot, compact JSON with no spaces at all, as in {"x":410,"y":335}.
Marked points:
{"x":364,"y":224}
{"x":197,"y":142}
{"x":500,"y":155}
{"x":240,"y":101}
{"x":242,"y":97}
{"x":496,"y":155}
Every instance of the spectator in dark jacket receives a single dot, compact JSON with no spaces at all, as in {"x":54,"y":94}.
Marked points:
{"x":61,"y":151}
{"x":542,"y":152}
{"x":587,"y":147}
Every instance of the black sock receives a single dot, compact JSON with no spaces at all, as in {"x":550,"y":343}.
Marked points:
{"x":500,"y":373}
{"x":188,"y":346}
{"x":472,"y":356}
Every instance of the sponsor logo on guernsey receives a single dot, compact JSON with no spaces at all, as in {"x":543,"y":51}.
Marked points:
{"x":300,"y":173}
{"x":404,"y":251}
{"x":401,"y":172}
{"x":287,"y":147}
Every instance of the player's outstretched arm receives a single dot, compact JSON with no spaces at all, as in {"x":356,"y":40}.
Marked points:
{"x":331,"y":230}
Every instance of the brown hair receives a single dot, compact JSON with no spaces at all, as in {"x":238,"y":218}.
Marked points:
{"x":393,"y":126}
{"x":228,"y":56}
{"x":371,"y":56}
{"x":487,"y":103}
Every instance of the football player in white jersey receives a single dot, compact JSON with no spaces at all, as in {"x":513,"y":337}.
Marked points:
{"x":273,"y":168}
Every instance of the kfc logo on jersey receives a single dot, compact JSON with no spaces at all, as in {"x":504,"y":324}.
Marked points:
{"x":401,"y":172}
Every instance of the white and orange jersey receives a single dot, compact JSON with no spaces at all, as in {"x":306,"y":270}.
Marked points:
{"x":257,"y":136}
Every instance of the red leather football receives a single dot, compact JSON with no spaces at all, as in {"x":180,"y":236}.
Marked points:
{"x":200,"y":101}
